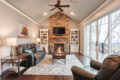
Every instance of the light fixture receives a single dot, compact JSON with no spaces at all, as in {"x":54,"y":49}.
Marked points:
{"x":12,"y":42}
{"x":72,"y":13}
{"x":45,"y":14}
{"x":37,"y":40}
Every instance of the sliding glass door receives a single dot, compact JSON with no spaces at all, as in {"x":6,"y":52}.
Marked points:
{"x":96,"y":39}
{"x":115,"y":32}
{"x":103,"y":38}
{"x":93,"y":41}
{"x":87,"y":41}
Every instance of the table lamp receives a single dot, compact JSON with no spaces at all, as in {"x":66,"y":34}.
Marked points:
{"x":11,"y":42}
{"x":37,"y":40}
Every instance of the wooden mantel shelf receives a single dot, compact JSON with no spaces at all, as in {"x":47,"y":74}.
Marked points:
{"x":63,"y":37}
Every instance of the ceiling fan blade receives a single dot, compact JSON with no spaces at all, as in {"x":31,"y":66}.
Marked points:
{"x":64,"y":5}
{"x":52,"y":9}
{"x":61,"y":9}
{"x":50,"y":5}
{"x":58,"y":2}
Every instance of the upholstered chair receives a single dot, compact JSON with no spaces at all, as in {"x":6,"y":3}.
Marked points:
{"x":108,"y":70}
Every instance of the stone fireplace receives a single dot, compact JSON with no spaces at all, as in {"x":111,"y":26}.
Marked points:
{"x":59,"y":20}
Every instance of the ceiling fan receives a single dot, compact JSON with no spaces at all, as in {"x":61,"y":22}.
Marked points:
{"x":58,"y":5}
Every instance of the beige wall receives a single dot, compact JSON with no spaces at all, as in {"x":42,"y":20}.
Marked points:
{"x":9,"y":20}
{"x":108,"y":8}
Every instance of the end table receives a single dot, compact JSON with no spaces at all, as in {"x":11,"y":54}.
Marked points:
{"x":15,"y":60}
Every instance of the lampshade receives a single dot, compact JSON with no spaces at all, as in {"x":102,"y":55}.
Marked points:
{"x":11,"y":41}
{"x":37,"y":39}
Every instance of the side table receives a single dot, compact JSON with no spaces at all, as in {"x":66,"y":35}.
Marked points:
{"x":15,"y":60}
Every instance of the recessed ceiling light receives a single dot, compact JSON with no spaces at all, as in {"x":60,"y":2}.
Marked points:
{"x":45,"y":14}
{"x":72,"y":13}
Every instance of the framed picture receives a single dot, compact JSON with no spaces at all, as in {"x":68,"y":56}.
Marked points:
{"x":23,"y":31}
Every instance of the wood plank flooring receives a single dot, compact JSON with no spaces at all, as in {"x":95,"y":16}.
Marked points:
{"x":84,"y":60}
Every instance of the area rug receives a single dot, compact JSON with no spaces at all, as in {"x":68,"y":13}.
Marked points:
{"x":45,"y":67}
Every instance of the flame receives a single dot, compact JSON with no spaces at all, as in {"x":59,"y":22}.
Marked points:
{"x":59,"y":50}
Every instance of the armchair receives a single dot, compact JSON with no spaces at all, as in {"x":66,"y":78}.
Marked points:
{"x":108,"y":70}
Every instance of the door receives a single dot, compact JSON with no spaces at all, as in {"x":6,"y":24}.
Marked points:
{"x":115,"y":32}
{"x":103,"y":38}
{"x":93,"y":48}
{"x":87,"y":41}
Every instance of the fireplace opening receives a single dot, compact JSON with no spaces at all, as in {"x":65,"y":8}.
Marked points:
{"x":59,"y":47}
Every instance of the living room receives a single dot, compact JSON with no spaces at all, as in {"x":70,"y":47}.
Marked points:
{"x":59,"y":39}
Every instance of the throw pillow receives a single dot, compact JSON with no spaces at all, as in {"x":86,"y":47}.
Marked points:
{"x":37,"y":47}
{"x":28,"y":51}
{"x":33,"y":50}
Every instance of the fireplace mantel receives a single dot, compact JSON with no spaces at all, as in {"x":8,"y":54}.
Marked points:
{"x":60,"y":37}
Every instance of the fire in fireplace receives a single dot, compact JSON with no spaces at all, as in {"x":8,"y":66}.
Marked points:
{"x":59,"y":48}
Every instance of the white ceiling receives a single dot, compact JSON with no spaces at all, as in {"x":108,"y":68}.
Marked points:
{"x":36,"y":8}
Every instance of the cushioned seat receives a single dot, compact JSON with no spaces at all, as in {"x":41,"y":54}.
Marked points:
{"x":109,"y":70}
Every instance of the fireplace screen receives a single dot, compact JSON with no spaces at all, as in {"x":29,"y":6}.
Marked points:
{"x":58,"y":46}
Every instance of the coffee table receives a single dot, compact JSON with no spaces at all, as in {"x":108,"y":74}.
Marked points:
{"x":59,"y":56}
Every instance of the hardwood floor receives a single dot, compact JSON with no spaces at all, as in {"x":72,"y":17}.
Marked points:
{"x":84,"y":60}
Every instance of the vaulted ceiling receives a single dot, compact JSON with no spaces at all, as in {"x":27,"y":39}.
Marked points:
{"x":36,"y":8}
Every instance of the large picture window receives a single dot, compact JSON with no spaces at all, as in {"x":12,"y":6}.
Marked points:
{"x":102,"y":36}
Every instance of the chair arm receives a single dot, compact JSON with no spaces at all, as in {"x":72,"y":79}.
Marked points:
{"x":81,"y":74}
{"x":95,"y":64}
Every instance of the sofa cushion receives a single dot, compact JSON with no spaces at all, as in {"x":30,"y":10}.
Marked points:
{"x":25,"y":46}
{"x":32,"y":45}
{"x":37,"y":47}
{"x":19,"y":50}
{"x":109,"y":67}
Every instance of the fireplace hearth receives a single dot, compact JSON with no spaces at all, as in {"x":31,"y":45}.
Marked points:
{"x":58,"y":47}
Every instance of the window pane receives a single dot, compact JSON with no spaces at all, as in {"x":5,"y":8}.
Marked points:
{"x":115,"y":32}
{"x":102,"y":38}
{"x":87,"y":40}
{"x":93,"y":41}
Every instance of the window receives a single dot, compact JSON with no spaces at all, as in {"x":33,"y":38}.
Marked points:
{"x":87,"y":40}
{"x":93,"y":40}
{"x":102,"y":36}
{"x":115,"y":32}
